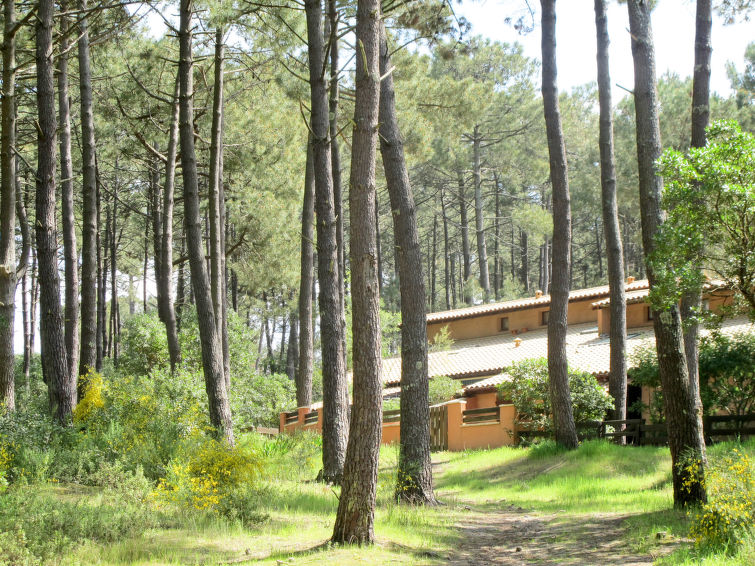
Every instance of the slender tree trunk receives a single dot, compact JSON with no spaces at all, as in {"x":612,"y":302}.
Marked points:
{"x":433,"y":263}
{"x":23,"y":265}
{"x":415,"y":480}
{"x":465,"y":236}
{"x":617,"y":379}
{"x":379,"y":250}
{"x":496,"y":244}
{"x":306,"y":333}
{"x":217,"y":252}
{"x":292,"y":353}
{"x":356,"y":505}
{"x":482,"y":250}
{"x":88,"y":358}
{"x":102,"y":268}
{"x":335,"y":159}
{"x":446,"y":259}
{"x":683,"y":420}
{"x":55,"y":361}
{"x":8,"y":210}
{"x":114,"y":278}
{"x":165,"y":304}
{"x":558,"y":379}
{"x":335,"y":392}
{"x":66,"y":190}
{"x":692,"y":300}
{"x":33,"y":318}
{"x":524,"y":246}
{"x":212,"y":348}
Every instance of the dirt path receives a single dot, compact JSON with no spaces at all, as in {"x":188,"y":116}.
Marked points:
{"x":513,"y":536}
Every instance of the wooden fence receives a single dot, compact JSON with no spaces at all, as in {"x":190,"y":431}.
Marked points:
{"x":439,"y":428}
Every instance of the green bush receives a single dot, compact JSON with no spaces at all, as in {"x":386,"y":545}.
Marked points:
{"x":727,"y":375}
{"x":528,"y":391}
{"x":442,"y":389}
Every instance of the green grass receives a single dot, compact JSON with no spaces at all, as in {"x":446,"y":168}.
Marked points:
{"x":84,"y":525}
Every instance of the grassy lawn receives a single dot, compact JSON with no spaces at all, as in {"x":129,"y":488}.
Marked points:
{"x":293,"y":517}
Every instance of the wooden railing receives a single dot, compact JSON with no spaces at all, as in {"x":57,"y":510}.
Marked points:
{"x":485,"y":415}
{"x":311,"y":418}
{"x":392,"y":416}
{"x":292,"y":417}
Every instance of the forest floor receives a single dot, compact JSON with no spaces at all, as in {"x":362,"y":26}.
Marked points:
{"x":601,"y":504}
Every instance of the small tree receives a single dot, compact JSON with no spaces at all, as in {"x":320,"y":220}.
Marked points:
{"x":528,"y":391}
{"x":710,"y":199}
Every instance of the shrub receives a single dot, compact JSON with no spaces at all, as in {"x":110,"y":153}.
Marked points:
{"x":528,"y":391}
{"x":442,"y":389}
{"x":144,"y":344}
{"x":206,"y":473}
{"x":727,"y":519}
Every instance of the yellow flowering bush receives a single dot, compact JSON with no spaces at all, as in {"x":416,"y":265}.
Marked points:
{"x":6,"y":460}
{"x":93,"y":399}
{"x":206,"y":474}
{"x":729,"y":515}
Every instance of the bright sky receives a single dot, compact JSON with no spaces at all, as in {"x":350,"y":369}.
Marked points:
{"x":673,"y":30}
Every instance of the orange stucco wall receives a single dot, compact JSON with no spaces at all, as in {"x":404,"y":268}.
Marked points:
{"x":637,"y":313}
{"x":482,"y":400}
{"x":479,"y":435}
{"x":529,"y":318}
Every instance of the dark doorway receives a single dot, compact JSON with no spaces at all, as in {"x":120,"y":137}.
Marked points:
{"x":634,"y":397}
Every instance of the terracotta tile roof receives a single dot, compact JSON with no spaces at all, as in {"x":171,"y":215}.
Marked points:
{"x":527,"y":302}
{"x":488,"y":356}
{"x":488,"y":383}
{"x":640,"y":295}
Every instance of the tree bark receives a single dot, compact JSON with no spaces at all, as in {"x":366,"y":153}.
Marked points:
{"x":446,"y":253}
{"x":335,"y":160}
{"x":465,"y":250}
{"x":496,"y":244}
{"x":8,"y":210}
{"x":22,"y":271}
{"x":524,"y":252}
{"x":683,"y":420}
{"x":88,"y":359}
{"x":66,"y":193}
{"x":212,"y":348}
{"x":292,"y":353}
{"x":482,"y":250}
{"x":217,"y":253}
{"x":356,"y":505}
{"x":558,"y":379}
{"x":306,"y":333}
{"x":335,"y":391}
{"x":415,"y":480}
{"x":617,"y":378}
{"x":62,"y":388}
{"x":692,"y":300}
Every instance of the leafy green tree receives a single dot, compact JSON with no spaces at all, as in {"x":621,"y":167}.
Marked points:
{"x":528,"y":391}
{"x":710,"y":199}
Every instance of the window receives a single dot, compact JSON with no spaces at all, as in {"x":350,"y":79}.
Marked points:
{"x":504,"y":324}
{"x":544,"y":318}
{"x":650,"y":314}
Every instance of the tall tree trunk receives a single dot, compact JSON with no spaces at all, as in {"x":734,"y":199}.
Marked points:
{"x":212,"y":348}
{"x":61,"y":387}
{"x":70,"y":254}
{"x":88,"y":357}
{"x":415,"y":480}
{"x":33,"y":318}
{"x":306,"y":332}
{"x":335,"y":392}
{"x":114,"y":278}
{"x":102,"y":268}
{"x":217,"y":252}
{"x":165,"y":304}
{"x":8,"y":210}
{"x":335,"y":160}
{"x":617,"y":378}
{"x":482,"y":250}
{"x":292,"y":353}
{"x":465,"y":236}
{"x":356,"y":505}
{"x":446,"y":267}
{"x":524,"y":251}
{"x":692,"y":300}
{"x":378,"y":250}
{"x":685,"y":431}
{"x":22,"y":271}
{"x":496,"y":243}
{"x":558,"y":378}
{"x":433,"y":263}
